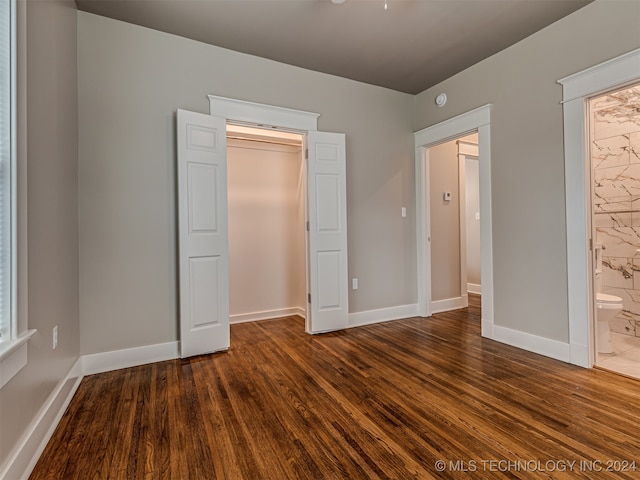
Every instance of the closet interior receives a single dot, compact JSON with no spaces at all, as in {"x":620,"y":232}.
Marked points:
{"x":267,"y":244}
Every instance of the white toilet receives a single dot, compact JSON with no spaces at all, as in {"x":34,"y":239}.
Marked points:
{"x":607,"y":307}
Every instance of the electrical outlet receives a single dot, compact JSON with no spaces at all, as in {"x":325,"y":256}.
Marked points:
{"x":354,"y":283}
{"x":55,"y":337}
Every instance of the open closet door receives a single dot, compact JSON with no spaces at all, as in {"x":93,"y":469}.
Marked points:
{"x":327,"y":203}
{"x":203,"y":241}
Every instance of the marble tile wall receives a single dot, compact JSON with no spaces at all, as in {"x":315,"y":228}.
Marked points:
{"x":615,"y":157}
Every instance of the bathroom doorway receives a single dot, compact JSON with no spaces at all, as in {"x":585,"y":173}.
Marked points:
{"x":266,"y":205}
{"x":614,"y":157}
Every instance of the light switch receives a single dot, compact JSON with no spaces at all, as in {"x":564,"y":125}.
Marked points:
{"x":446,"y":196}
{"x":354,"y":283}
{"x":404,"y":212}
{"x":477,"y":215}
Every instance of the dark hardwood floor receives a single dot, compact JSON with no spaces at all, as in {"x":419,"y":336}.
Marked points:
{"x":386,"y":401}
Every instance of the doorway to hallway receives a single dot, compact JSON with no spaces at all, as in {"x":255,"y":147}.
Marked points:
{"x":454,"y":219}
{"x":477,"y":120}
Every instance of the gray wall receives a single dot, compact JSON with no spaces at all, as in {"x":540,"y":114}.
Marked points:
{"x":52,"y":215}
{"x":529,"y":234}
{"x":131,"y":80}
{"x":445,"y":221}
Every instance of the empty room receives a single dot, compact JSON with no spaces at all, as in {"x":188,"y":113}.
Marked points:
{"x":317,"y":239}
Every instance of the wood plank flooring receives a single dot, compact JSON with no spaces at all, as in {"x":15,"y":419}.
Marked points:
{"x":385,"y":401}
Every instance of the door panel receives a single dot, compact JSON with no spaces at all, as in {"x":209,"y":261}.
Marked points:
{"x":327,"y":232}
{"x":203,"y":242}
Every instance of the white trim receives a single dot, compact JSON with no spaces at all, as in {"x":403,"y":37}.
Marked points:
{"x":267,"y":315}
{"x":423,"y":229}
{"x":532,"y":343}
{"x":575,"y":89}
{"x":129,"y":357}
{"x":617,"y":71}
{"x":13,"y":356}
{"x":465,"y":150}
{"x":448,"y":304}
{"x":474,"y":288}
{"x":359,"y":319}
{"x":468,"y":149}
{"x":268,"y":115}
{"x":478,"y":119}
{"x":27,"y":452}
{"x":454,"y":127}
{"x":8,"y":347}
{"x":462,"y":221}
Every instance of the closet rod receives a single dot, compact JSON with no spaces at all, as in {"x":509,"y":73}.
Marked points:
{"x":290,"y":144}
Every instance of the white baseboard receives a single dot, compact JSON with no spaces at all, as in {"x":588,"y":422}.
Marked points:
{"x":26,"y":454}
{"x":447,"y":304}
{"x":369,"y":317}
{"x":129,"y":357}
{"x":474,"y":288}
{"x":527,"y":341}
{"x":267,"y":315}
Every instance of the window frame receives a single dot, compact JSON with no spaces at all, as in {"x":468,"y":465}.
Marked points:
{"x":13,"y":348}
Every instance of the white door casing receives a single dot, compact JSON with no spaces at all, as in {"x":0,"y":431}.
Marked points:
{"x":203,"y":234}
{"x":576,"y":88}
{"x":478,"y":119}
{"x":327,"y":217}
{"x":203,"y":231}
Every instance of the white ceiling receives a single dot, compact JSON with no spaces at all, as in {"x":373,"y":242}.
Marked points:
{"x":409,"y":47}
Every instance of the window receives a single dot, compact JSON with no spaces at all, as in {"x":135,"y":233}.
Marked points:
{"x":13,"y":343}
{"x":7,"y":169}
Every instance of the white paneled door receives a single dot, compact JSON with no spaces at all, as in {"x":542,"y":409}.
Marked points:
{"x":327,"y":206}
{"x":203,"y":233}
{"x":203,"y":239}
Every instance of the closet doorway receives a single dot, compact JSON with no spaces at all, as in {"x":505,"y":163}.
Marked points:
{"x":267,"y":243}
{"x":203,"y":253}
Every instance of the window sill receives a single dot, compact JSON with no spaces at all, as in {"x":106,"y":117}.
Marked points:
{"x":13,"y":356}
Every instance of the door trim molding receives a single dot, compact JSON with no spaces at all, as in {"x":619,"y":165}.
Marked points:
{"x":251,"y":113}
{"x":576,"y":89}
{"x":268,"y":115}
{"x":478,"y":119}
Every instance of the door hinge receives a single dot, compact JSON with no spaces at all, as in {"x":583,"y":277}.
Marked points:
{"x":308,"y":226}
{"x":591,"y":244}
{"x":309,"y":297}
{"x":306,"y":154}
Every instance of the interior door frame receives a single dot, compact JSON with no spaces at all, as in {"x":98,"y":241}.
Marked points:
{"x":576,"y":90}
{"x":478,"y":120}
{"x":465,"y":149}
{"x":278,"y":118}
